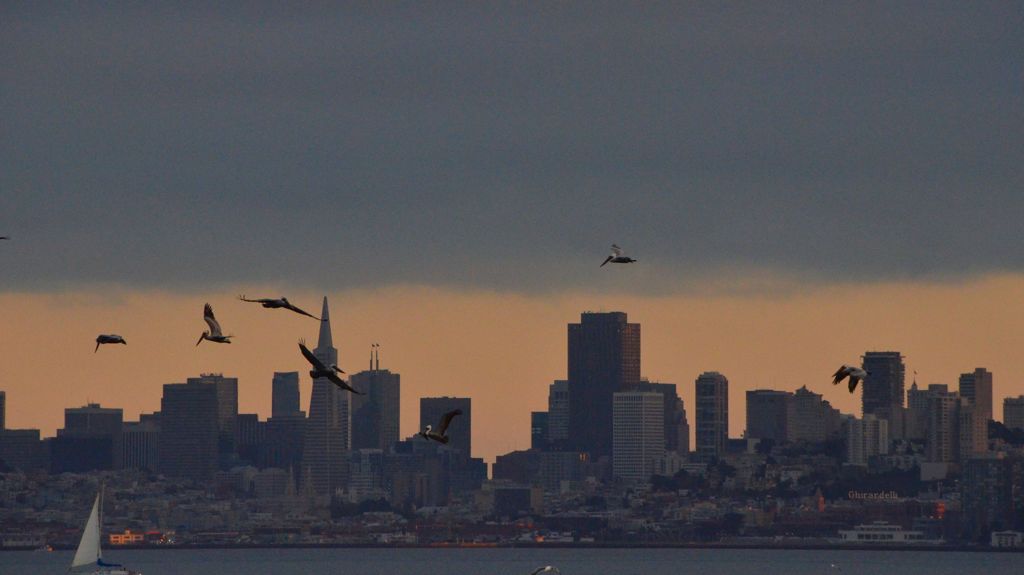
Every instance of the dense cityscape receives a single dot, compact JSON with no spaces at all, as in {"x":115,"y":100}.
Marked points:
{"x":610,"y":463}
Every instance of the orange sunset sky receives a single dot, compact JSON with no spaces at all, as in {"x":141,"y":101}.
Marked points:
{"x":500,"y":349}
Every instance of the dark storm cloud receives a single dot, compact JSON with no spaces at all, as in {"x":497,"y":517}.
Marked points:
{"x":506,"y":147}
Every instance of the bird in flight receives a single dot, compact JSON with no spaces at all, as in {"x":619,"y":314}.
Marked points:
{"x":546,"y":569}
{"x":855,"y":374}
{"x":215,"y":334}
{"x":5,"y":237}
{"x":617,"y":257}
{"x":108,"y":338}
{"x":281,"y":302}
{"x":327,"y":371}
{"x":441,"y":434}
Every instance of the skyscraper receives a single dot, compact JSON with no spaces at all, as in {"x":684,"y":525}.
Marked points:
{"x":460,"y":431}
{"x":682,"y":429}
{"x":327,"y":430}
{"x":227,"y":409}
{"x":712,"y":399}
{"x":1013,"y":412}
{"x":976,"y":387}
{"x":943,"y":443}
{"x":284,"y":393}
{"x":538,"y":430}
{"x":884,"y":385}
{"x":375,"y":416}
{"x":768,"y":414}
{"x":604,"y":357}
{"x":558,"y":414}
{"x":638,"y":433}
{"x":189,"y":430}
{"x":3,"y":410}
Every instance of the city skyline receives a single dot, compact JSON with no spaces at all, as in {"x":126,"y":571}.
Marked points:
{"x":254,"y":395}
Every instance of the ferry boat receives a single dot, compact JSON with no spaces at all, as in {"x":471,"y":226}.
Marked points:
{"x":89,"y":555}
{"x":881,"y":532}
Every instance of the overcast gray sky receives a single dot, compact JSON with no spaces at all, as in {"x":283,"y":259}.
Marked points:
{"x":473,"y":145}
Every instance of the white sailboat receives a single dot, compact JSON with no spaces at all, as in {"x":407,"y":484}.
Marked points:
{"x":89,"y":556}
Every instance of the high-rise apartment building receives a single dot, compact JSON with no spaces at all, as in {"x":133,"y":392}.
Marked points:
{"x":460,"y":431}
{"x":638,"y":434}
{"x":284,"y":393}
{"x":976,"y":387}
{"x":884,"y":388}
{"x":943,"y":444}
{"x":376,"y":414}
{"x":3,"y":410}
{"x":712,"y":398}
{"x":604,"y":357}
{"x":327,"y":429}
{"x":768,"y":414}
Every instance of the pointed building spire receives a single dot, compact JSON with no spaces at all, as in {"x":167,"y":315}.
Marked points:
{"x":325,"y":340}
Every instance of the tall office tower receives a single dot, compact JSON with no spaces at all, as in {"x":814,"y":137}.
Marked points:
{"x":976,"y":387}
{"x":284,"y":441}
{"x":943,"y":443}
{"x":189,"y":430}
{"x":884,"y":386}
{"x":227,"y":409}
{"x":250,"y":433}
{"x":768,"y":414}
{"x":3,"y":410}
{"x":375,"y":416}
{"x":460,"y":431}
{"x":604,"y":357}
{"x":682,"y":429}
{"x":284,"y":393}
{"x":711,"y":392}
{"x":139,"y":445}
{"x":327,"y":429}
{"x":810,"y":418}
{"x":638,"y":433}
{"x":538,"y":430}
{"x":973,"y":431}
{"x":90,"y":440}
{"x":1013,"y":412}
{"x":668,"y":390}
{"x":866,"y":438}
{"x":558,"y":414}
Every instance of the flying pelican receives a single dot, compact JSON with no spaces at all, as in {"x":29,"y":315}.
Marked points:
{"x":108,"y":338}
{"x":440,"y":435}
{"x":617,"y":257}
{"x":281,"y":302}
{"x":215,"y":334}
{"x":546,"y":569}
{"x":855,"y":374}
{"x":328,"y":371}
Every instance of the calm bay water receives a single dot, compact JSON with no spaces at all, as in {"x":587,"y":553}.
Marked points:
{"x":522,"y":561}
